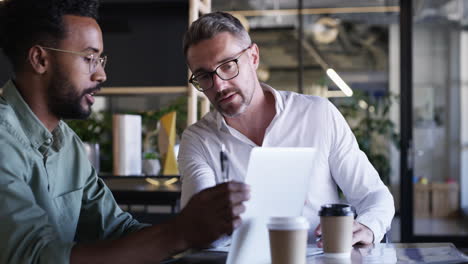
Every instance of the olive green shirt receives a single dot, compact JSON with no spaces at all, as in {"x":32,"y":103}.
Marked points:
{"x":50,"y":195}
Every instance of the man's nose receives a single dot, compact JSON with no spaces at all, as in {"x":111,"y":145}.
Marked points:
{"x":100,"y":75}
{"x":218,"y":83}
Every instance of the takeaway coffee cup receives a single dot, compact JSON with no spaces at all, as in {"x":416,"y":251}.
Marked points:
{"x":288,"y":239}
{"x":336,"y":221}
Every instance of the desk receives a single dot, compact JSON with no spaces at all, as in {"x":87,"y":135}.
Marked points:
{"x":137,"y":190}
{"x":380,"y":253}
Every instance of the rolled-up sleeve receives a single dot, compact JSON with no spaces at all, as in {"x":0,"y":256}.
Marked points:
{"x":196,"y":173}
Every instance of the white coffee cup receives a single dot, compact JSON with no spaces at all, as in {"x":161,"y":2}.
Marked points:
{"x":288,"y":239}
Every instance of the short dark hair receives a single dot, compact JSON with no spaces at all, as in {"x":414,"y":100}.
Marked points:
{"x":211,"y":24}
{"x":25,"y":23}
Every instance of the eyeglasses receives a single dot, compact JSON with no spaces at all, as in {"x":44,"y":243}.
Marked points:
{"x":228,"y":70}
{"x":92,"y":59}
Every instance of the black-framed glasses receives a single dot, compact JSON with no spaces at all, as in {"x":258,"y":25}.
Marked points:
{"x":92,"y":59}
{"x":226,"y":71}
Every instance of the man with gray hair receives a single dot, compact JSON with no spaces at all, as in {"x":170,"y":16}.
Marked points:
{"x":250,"y":114}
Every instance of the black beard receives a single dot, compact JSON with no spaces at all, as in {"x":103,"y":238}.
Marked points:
{"x":64,"y":99}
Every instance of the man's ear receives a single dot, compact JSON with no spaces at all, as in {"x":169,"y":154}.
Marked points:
{"x":255,"y":53}
{"x":39,"y":59}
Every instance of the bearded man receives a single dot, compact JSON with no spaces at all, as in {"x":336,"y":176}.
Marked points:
{"x":53,"y":206}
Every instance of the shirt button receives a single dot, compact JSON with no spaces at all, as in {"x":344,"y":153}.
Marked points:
{"x":48,"y":141}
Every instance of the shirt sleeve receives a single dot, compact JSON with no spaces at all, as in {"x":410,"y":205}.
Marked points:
{"x":100,"y":217}
{"x":25,"y":232}
{"x":196,"y":173}
{"x":357,"y":178}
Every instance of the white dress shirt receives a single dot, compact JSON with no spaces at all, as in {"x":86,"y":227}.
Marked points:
{"x":300,"y":121}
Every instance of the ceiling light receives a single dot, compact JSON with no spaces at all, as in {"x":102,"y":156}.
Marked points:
{"x":330,"y":72}
{"x":339,"y":82}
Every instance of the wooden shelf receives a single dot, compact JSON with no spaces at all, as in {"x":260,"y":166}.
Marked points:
{"x":129,"y":90}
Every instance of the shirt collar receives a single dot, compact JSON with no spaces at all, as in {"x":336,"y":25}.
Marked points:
{"x":32,"y":127}
{"x":279,"y":105}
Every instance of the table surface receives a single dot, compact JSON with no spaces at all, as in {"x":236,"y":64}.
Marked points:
{"x":140,"y":190}
{"x":379,"y":253}
{"x":143,"y":184}
{"x":145,"y":190}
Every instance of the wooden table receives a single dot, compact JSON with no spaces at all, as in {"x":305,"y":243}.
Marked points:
{"x":379,"y":253}
{"x":136,"y":190}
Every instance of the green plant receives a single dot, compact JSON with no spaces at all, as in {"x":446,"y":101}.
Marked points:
{"x":96,"y":129}
{"x":150,"y":120}
{"x":91,"y":129}
{"x":369,"y":119}
{"x":151,"y":155}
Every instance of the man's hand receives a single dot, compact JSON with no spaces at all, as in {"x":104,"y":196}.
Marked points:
{"x":212,"y":213}
{"x":208,"y":215}
{"x":361,"y":234}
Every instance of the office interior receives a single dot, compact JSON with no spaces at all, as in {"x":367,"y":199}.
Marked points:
{"x":405,"y":62}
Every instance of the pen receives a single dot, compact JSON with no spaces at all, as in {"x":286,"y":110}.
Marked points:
{"x":224,"y":163}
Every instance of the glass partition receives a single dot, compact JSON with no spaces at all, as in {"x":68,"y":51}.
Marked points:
{"x":439,"y":120}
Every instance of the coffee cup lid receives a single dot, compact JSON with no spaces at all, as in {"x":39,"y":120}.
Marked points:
{"x":288,"y":223}
{"x":336,"y":210}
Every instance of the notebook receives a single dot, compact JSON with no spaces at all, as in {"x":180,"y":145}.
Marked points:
{"x":279,"y":180}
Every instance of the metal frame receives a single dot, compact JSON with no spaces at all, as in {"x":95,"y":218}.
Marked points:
{"x":317,"y":11}
{"x":300,"y":47}
{"x":406,"y":116}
